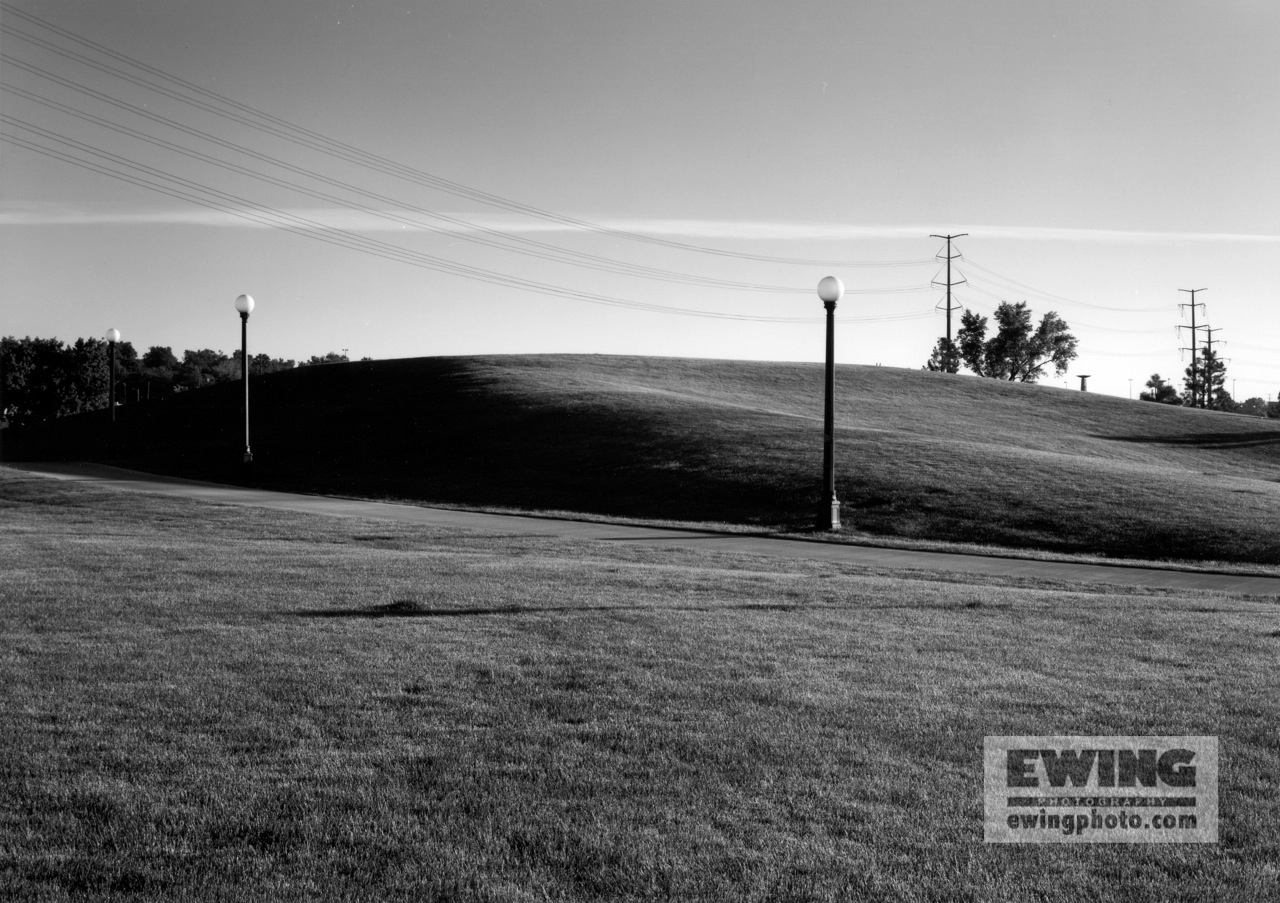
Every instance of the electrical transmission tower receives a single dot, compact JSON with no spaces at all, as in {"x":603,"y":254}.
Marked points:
{"x":949,"y":257}
{"x":1195,"y":378}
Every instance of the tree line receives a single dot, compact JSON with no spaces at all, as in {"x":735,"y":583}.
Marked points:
{"x":1023,"y":351}
{"x":41,"y":379}
{"x":1205,"y":386}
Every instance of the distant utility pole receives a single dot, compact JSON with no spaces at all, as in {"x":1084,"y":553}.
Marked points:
{"x":950,"y":257}
{"x":1195,"y":379}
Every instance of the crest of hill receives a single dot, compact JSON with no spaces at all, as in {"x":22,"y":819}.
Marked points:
{"x":919,"y":455}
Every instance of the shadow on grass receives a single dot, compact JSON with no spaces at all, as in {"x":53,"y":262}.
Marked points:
{"x":410,"y":609}
{"x":1202,"y":440}
{"x":417,"y":610}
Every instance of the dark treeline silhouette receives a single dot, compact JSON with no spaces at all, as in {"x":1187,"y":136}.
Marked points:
{"x":41,"y":379}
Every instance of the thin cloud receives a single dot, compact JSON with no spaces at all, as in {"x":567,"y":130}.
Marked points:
{"x":738,"y":230}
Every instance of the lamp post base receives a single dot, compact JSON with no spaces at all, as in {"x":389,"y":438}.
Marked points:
{"x":829,"y":515}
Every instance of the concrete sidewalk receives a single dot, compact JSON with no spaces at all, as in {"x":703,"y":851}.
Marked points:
{"x":1119,"y":575}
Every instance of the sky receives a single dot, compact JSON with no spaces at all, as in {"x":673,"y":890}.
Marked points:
{"x":402,"y":179}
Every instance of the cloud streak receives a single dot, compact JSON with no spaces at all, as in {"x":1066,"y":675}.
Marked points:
{"x":732,"y":230}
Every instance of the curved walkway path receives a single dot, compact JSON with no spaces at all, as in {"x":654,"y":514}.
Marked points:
{"x":1120,"y":575}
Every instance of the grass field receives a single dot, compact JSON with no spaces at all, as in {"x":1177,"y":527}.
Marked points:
{"x":920,"y":456}
{"x":206,"y":702}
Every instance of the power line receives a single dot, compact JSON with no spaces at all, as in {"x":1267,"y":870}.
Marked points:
{"x":970,"y":265}
{"x":488,"y":237}
{"x":243,"y":208}
{"x":262,"y":121}
{"x":185,"y":189}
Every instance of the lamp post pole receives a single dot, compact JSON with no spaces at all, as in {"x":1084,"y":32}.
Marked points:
{"x":113,"y":336}
{"x":829,"y":290}
{"x":244,"y":304}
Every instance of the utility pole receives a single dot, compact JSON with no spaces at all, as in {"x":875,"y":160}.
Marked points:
{"x":949,"y":283}
{"x":1195,"y":379}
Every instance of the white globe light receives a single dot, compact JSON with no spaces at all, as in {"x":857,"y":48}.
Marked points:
{"x":830,"y":289}
{"x":113,"y":335}
{"x":244,"y":304}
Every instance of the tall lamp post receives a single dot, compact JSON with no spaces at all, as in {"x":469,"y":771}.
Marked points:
{"x":829,"y":290}
{"x":113,"y":336}
{"x":244,"y":304}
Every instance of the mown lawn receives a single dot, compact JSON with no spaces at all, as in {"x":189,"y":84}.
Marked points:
{"x":209,"y":702}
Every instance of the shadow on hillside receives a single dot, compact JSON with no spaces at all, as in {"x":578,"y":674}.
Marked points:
{"x":457,"y":431}
{"x":412,"y":610}
{"x":1203,"y":440}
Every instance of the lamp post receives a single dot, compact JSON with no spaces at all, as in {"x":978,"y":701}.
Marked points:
{"x":829,"y":290}
{"x":113,"y":336}
{"x":244,"y":304}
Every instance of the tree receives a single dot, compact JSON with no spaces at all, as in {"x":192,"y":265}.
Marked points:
{"x":88,"y":373}
{"x":1254,"y":407}
{"x":945,"y":357}
{"x":1016,"y":352}
{"x":203,"y":367}
{"x":159,"y":371}
{"x":1160,"y":391}
{"x":160,"y":358}
{"x":265,"y":363}
{"x":1206,"y":383}
{"x":332,"y":357}
{"x":41,"y":379}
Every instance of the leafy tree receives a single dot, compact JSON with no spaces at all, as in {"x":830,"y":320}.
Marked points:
{"x":1206,"y":382}
{"x":264,"y":363}
{"x":1160,"y":391}
{"x":32,"y":378}
{"x":1016,"y":352}
{"x":159,"y":371}
{"x":201,"y":368}
{"x":1254,"y":407}
{"x":42,"y":378}
{"x":88,"y":373}
{"x":945,"y":357}
{"x":160,"y":358}
{"x":332,"y":357}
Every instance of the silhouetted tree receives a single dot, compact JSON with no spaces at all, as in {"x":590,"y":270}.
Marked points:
{"x":1254,"y":407}
{"x":945,"y":357}
{"x":1206,"y":386}
{"x":1160,"y":391}
{"x":332,"y":357}
{"x":42,"y":378}
{"x":1016,"y":352}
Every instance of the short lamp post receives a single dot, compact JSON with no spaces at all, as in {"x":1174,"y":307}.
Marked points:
{"x":113,"y":336}
{"x":244,"y":304}
{"x":829,"y":290}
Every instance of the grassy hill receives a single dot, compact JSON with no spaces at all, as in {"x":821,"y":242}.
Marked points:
{"x":919,"y":455}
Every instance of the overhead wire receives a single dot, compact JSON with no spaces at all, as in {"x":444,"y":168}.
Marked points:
{"x":488,"y":237}
{"x":969,"y":263}
{"x":260,"y":120}
{"x":185,"y":189}
{"x":188,"y":190}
